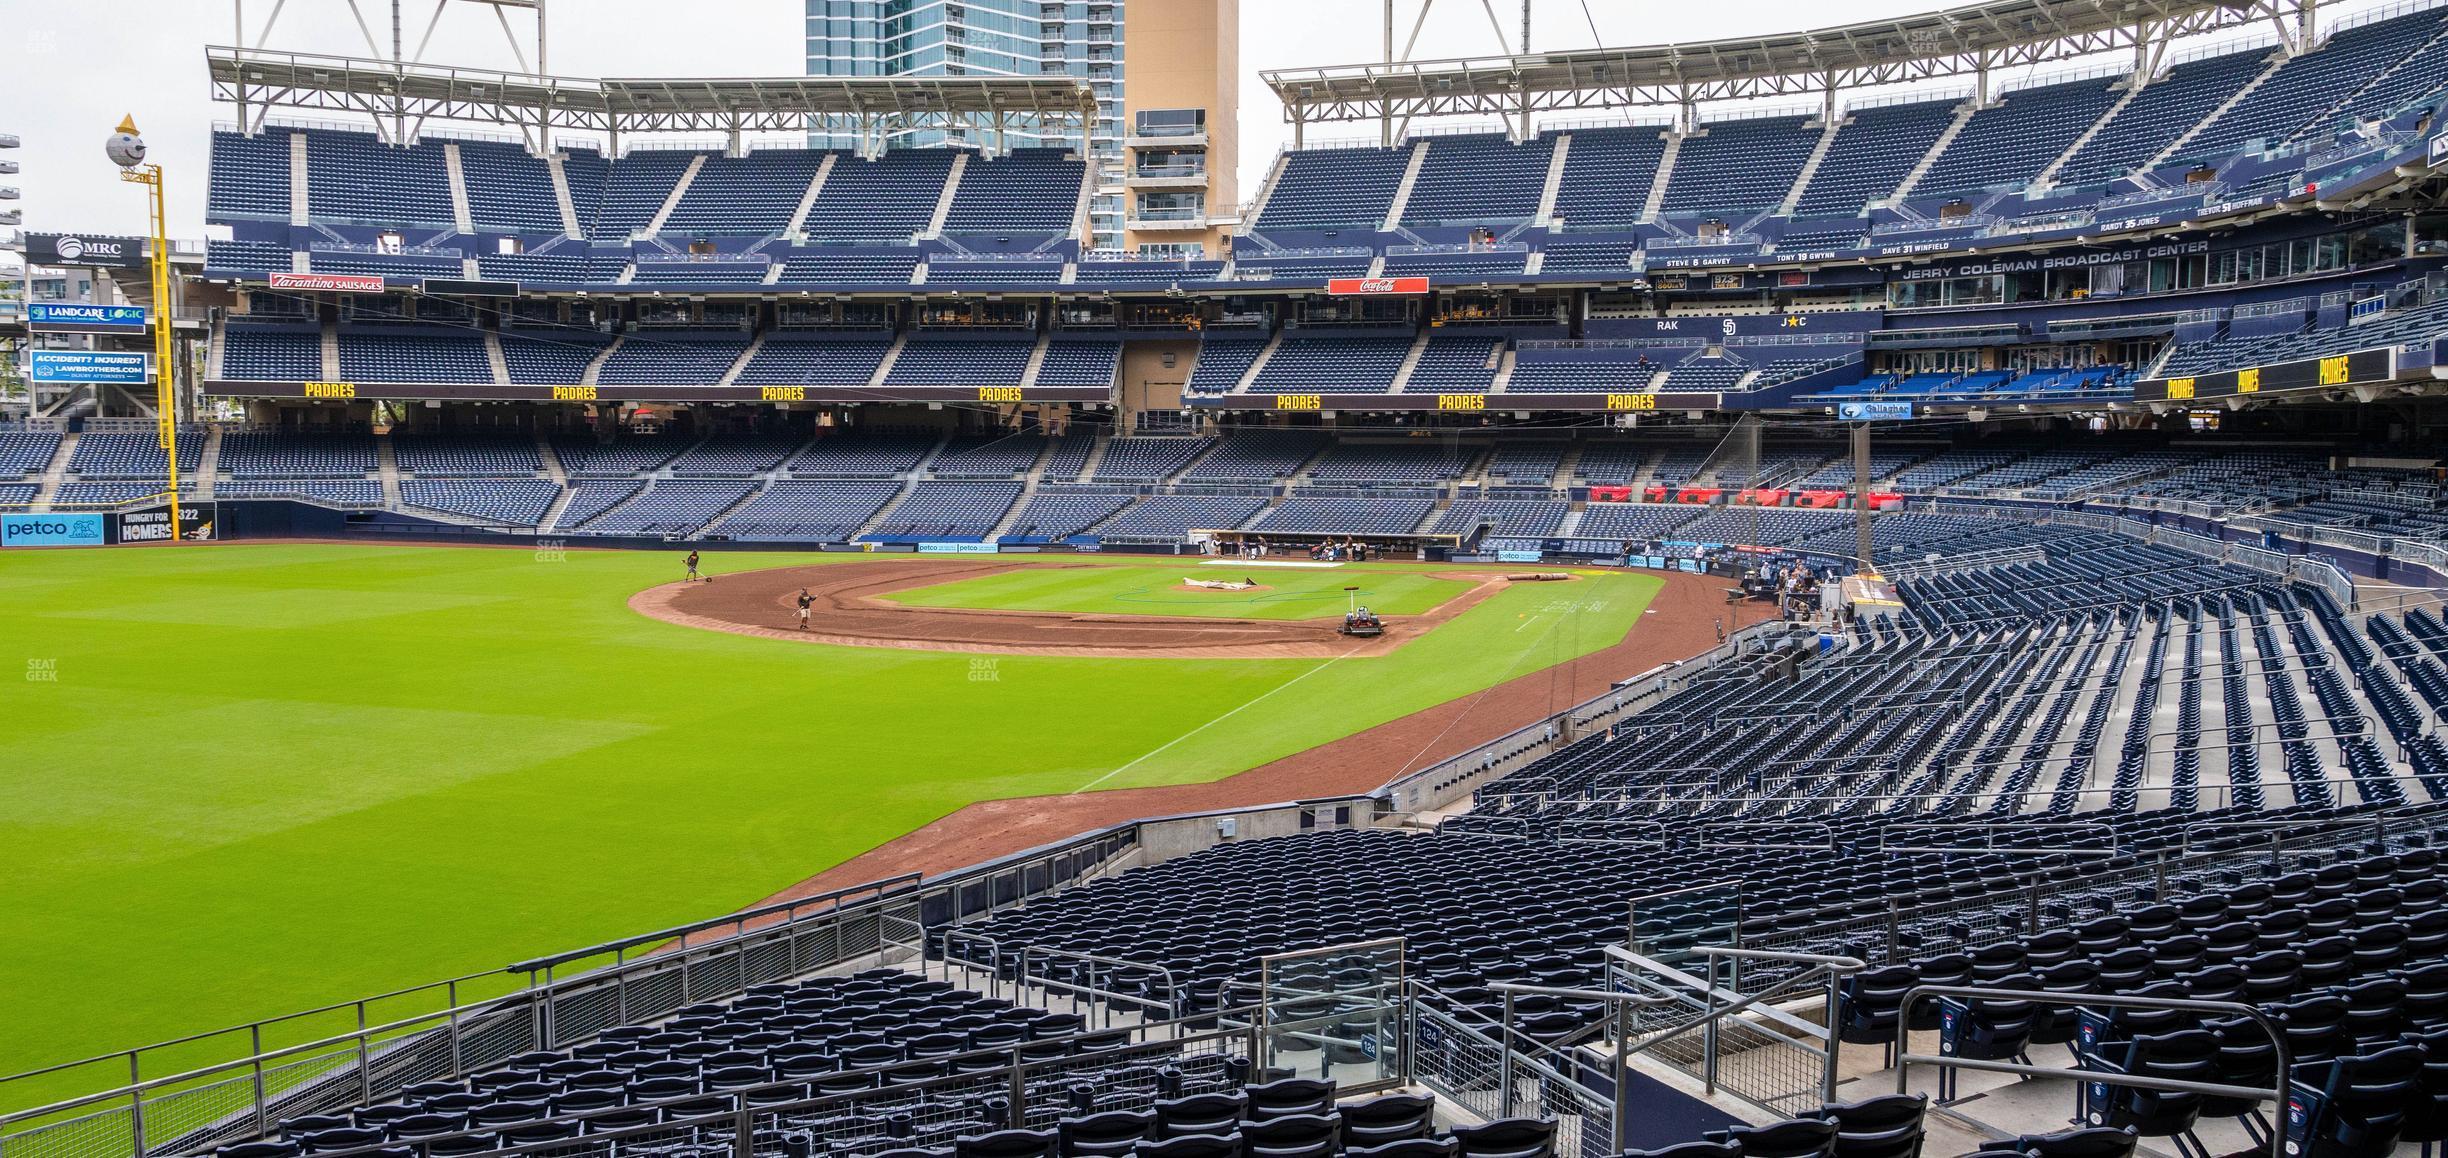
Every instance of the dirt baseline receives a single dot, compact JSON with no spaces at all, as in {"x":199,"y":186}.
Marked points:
{"x":849,"y":610}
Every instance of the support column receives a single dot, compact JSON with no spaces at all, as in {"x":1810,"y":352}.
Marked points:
{"x":1861,"y":496}
{"x":1385,"y":115}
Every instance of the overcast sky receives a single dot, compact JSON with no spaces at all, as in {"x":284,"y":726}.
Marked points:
{"x":78,"y":67}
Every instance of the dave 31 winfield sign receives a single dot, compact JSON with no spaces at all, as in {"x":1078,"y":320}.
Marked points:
{"x":1371,"y":286}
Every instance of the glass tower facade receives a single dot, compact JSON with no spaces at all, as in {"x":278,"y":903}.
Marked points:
{"x":918,"y":38}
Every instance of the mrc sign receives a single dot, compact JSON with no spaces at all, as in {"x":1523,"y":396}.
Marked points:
{"x":1344,"y":287}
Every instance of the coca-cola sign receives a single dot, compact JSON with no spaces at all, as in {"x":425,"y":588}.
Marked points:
{"x":1356,"y":286}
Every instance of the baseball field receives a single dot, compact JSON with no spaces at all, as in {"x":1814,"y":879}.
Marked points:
{"x":244,"y":779}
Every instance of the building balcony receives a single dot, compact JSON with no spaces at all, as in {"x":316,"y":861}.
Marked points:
{"x":1191,"y":178}
{"x":1166,"y":222}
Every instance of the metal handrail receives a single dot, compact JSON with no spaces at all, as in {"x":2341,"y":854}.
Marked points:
{"x":744,"y":1117}
{"x":2277,"y":1035}
{"x":1107,"y":998}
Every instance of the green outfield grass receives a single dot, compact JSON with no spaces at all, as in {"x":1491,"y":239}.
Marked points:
{"x":245,"y":779}
{"x":1284,"y":593}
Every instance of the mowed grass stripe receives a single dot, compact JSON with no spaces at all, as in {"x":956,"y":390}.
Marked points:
{"x":487,"y":757}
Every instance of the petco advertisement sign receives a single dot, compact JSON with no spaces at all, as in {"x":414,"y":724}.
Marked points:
{"x":1369,"y":286}
{"x":347,"y":283}
{"x":92,"y":366}
{"x":50,"y":530}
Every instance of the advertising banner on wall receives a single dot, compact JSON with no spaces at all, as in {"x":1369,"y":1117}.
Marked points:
{"x":84,"y":318}
{"x":62,"y":530}
{"x":1371,"y":286}
{"x":86,"y":249}
{"x":68,"y":366}
{"x":366,"y":283}
{"x":152,"y":525}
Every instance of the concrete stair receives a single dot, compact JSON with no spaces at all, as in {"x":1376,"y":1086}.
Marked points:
{"x":671,"y":202}
{"x":884,"y":513}
{"x":807,"y":202}
{"x":1402,"y":192}
{"x":1410,"y":362}
{"x":1656,"y":197}
{"x":570,"y":225}
{"x":1258,"y":363}
{"x":2277,"y":60}
{"x":552,"y":462}
{"x":331,"y":352}
{"x":495,"y":358}
{"x":1266,"y":189}
{"x":207,"y":467}
{"x":2048,"y":177}
{"x":386,"y":463}
{"x":884,"y":365}
{"x":1096,"y":458}
{"x":1036,"y":361}
{"x":1946,"y":136}
{"x":299,"y":214}
{"x":943,"y":202}
{"x":589,"y":376}
{"x":1810,"y":168}
{"x":731,"y":376}
{"x":728,"y":511}
{"x":462,"y":218}
{"x":1554,"y":185}
{"x":55,"y":472}
{"x":1566,"y":465}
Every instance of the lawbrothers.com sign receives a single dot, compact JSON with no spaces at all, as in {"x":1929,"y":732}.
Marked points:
{"x":50,"y":530}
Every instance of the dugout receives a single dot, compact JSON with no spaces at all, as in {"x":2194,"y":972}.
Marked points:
{"x":1298,"y":544}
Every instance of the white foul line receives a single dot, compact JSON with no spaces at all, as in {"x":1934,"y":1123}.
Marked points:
{"x":1212,"y":723}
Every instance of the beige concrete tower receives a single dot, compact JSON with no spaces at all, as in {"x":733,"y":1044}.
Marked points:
{"x":1181,"y":138}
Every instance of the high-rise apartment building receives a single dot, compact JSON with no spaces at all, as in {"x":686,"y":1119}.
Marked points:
{"x":1165,"y":74}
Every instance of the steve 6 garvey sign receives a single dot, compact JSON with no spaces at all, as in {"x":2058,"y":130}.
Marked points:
{"x":1354,"y":286}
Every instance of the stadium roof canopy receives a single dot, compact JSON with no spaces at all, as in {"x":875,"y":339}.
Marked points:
{"x":399,"y":95}
{"x":1969,"y":41}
